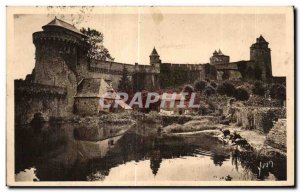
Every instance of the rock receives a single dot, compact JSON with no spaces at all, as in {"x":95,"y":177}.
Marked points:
{"x":277,"y":136}
{"x":225,"y":132}
{"x":235,"y":136}
{"x":240,"y":141}
{"x":228,"y":178}
{"x":225,"y":122}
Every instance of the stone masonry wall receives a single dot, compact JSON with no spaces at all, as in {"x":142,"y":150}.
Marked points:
{"x":86,"y":106}
{"x":34,"y":98}
{"x":277,"y":135}
{"x":179,"y":74}
{"x":57,"y":69}
{"x":112,"y":71}
{"x":259,"y":118}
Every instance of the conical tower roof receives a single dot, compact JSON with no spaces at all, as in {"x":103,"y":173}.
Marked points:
{"x":154,"y":52}
{"x":62,"y":24}
{"x":220,"y":52}
{"x":261,"y":39}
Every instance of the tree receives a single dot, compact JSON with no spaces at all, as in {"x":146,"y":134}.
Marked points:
{"x":200,"y":86}
{"x":209,"y":90}
{"x":278,"y":91}
{"x":124,"y":83}
{"x":188,"y":89}
{"x":241,"y":94}
{"x":226,"y":88}
{"x":96,"y":48}
{"x":259,"y":88}
{"x":210,"y":71}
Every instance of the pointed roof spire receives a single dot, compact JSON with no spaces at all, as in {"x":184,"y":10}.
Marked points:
{"x":215,"y":52}
{"x":220,"y":52}
{"x":154,"y":52}
{"x":261,"y":39}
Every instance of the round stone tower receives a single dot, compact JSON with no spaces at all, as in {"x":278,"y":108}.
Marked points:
{"x":58,"y":50}
{"x":58,"y":44}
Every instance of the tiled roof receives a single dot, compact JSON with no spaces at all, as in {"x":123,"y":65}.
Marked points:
{"x":91,"y":87}
{"x":63,"y":24}
{"x":97,"y":87}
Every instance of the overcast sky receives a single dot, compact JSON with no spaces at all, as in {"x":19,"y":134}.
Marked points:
{"x":178,"y":38}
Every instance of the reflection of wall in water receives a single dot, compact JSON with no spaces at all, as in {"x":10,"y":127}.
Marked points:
{"x":90,"y":149}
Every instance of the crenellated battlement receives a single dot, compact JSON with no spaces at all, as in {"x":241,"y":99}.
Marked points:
{"x":56,"y":36}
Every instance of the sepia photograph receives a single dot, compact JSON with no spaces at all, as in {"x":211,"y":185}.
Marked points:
{"x":150,"y":96}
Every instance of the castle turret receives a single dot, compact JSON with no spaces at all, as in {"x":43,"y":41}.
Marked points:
{"x":155,"y":62}
{"x":215,"y":53}
{"x":154,"y":57}
{"x":59,"y":48}
{"x":219,"y":58}
{"x":260,"y":53}
{"x":59,"y":43}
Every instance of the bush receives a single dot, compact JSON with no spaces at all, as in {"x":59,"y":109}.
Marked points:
{"x":226,"y":88}
{"x":209,"y":90}
{"x":213,"y":84}
{"x":278,"y":91}
{"x":200,"y":86}
{"x":259,"y":88}
{"x":241,"y":94}
{"x":256,"y":100}
{"x":188,"y":89}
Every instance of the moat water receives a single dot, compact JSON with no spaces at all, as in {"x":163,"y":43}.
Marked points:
{"x":54,"y":155}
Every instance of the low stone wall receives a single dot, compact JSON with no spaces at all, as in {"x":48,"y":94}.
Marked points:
{"x":259,"y":118}
{"x":33,"y":98}
{"x":277,"y":136}
{"x":178,"y":119}
{"x":182,"y":119}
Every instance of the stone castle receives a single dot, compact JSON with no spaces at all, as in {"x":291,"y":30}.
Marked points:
{"x":62,"y":65}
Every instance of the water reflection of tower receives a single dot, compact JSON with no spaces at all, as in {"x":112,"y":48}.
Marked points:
{"x":155,"y":160}
{"x":235,"y":158}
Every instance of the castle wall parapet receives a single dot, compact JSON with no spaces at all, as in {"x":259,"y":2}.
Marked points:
{"x":26,"y":88}
{"x":115,"y":68}
{"x":60,"y":36}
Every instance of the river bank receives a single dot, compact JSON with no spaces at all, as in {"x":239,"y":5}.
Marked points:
{"x":267,"y":145}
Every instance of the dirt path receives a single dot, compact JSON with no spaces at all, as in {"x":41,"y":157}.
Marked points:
{"x":254,"y":138}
